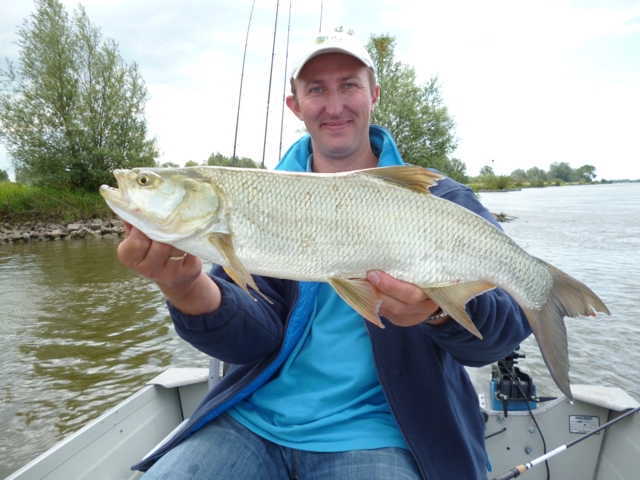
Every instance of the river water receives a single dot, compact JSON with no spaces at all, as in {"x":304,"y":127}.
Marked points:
{"x":79,"y":332}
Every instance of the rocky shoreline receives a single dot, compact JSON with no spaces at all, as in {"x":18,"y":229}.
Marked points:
{"x":34,"y":231}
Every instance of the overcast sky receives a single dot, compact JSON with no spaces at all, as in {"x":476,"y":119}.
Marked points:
{"x":528,"y":83}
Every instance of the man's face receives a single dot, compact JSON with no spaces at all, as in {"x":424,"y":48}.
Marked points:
{"x":335,"y":101}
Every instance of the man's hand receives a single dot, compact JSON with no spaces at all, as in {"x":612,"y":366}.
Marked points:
{"x":180,"y":277}
{"x":404,"y":304}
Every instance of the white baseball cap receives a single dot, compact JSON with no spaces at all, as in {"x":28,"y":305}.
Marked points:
{"x":330,"y":43}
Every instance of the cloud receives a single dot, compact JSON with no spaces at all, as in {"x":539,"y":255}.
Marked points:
{"x":528,"y":83}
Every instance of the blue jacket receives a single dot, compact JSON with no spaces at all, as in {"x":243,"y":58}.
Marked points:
{"x":421,"y":368}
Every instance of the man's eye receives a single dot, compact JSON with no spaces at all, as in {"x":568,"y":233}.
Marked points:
{"x":316,"y":90}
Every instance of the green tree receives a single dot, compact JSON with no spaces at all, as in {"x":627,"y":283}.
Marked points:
{"x":168,"y":165}
{"x":562,"y":171}
{"x":191,"y":163}
{"x":586,"y":173}
{"x":414,"y":114}
{"x":220,"y":160}
{"x":4,"y":176}
{"x":518,"y":176}
{"x":536,"y":176}
{"x":535,"y":172}
{"x":456,"y":169}
{"x":72,"y":110}
{"x":486,"y":170}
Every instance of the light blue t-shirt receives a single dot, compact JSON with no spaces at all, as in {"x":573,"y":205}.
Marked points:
{"x":327,"y":396}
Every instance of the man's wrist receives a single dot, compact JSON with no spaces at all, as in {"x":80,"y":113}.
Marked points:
{"x":202,"y":296}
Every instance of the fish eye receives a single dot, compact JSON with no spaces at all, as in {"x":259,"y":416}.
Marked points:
{"x":144,"y":179}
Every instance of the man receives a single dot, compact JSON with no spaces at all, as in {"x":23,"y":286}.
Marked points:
{"x":314,"y":391}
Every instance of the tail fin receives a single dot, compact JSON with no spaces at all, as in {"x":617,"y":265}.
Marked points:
{"x":568,"y":298}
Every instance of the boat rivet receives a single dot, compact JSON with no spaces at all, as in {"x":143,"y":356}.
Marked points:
{"x":500,"y":418}
{"x":531,"y":431}
{"x":527,"y":450}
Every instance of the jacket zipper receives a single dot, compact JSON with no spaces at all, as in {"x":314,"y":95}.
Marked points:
{"x":244,"y":384}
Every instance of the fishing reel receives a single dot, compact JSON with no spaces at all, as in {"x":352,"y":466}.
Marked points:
{"x":511,"y":388}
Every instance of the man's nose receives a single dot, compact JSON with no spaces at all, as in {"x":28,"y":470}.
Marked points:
{"x":334,"y":105}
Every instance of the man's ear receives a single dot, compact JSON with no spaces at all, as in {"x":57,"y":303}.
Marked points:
{"x":294,"y":106}
{"x":375,"y":97}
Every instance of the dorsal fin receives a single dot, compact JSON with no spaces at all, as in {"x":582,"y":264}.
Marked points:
{"x":413,"y":177}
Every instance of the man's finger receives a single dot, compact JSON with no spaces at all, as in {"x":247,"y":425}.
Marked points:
{"x":134,"y":248}
{"x":402,"y":291}
{"x":127,"y":228}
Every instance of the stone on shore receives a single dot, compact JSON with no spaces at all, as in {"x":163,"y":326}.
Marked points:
{"x":30,"y":231}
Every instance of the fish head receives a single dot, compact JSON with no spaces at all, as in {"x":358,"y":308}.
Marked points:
{"x":166,"y":204}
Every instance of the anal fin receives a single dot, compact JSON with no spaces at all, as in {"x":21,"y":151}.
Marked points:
{"x":361,"y":295}
{"x":453,"y":298}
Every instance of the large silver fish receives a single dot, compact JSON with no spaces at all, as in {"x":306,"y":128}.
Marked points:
{"x":336,"y":227}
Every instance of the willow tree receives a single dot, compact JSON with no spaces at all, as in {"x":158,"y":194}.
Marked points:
{"x":72,"y":110}
{"x":414,"y":113}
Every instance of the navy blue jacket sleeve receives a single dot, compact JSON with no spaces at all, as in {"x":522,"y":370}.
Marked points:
{"x":496,"y":314}
{"x":244,"y":329}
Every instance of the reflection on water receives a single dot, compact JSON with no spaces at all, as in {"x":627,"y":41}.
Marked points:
{"x":79,"y":333}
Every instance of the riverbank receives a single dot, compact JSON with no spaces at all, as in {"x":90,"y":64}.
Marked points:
{"x":20,"y":203}
{"x":38,"y":231}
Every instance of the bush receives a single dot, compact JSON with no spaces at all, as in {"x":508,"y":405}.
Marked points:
{"x":19,"y":202}
{"x":492,"y":182}
{"x":537,"y":182}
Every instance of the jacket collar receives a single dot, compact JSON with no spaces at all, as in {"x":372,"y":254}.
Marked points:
{"x":295,"y":159}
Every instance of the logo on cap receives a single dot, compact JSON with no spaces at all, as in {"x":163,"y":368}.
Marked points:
{"x":327,"y":38}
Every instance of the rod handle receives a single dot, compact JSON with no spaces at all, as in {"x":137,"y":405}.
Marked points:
{"x":513,"y":473}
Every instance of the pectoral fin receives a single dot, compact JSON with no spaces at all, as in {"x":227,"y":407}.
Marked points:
{"x":236,"y":270}
{"x":452,"y":300}
{"x":361,"y":295}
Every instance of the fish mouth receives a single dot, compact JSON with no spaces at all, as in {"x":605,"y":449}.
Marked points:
{"x":118,"y":197}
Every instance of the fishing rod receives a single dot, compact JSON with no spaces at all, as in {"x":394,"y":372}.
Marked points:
{"x":273,"y":54}
{"x":520,"y":469}
{"x":284,"y":89}
{"x":244,"y":57}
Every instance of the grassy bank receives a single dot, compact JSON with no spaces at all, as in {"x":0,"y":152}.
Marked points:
{"x":504,"y":183}
{"x":20,"y":203}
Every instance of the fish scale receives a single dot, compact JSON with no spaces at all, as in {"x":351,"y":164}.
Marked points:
{"x":337,"y":227}
{"x":309,"y":244}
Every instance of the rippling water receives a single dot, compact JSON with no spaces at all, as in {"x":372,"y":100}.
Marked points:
{"x":79,"y":332}
{"x":592,"y":232}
